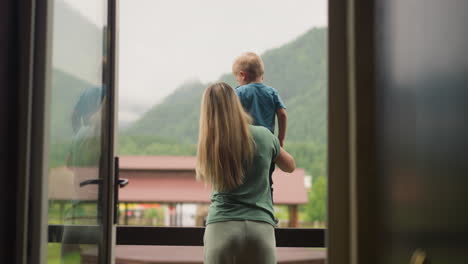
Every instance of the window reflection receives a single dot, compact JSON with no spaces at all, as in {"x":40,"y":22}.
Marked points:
{"x":78,"y":103}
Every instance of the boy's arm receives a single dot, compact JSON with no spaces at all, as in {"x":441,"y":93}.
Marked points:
{"x":282,"y":124}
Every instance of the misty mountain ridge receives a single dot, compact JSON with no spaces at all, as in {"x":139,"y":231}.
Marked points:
{"x":297,"y":70}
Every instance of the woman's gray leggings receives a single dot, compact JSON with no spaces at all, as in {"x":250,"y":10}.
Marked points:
{"x":239,"y":242}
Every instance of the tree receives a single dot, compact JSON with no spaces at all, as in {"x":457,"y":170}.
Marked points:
{"x":316,"y":209}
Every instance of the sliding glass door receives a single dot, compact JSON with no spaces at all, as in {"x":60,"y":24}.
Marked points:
{"x":80,"y":143}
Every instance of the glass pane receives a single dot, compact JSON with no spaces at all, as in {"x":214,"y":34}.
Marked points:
{"x":194,"y":255}
{"x":169,"y":55}
{"x":78,"y":98}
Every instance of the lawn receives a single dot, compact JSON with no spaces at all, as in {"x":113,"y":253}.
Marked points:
{"x":54,"y":255}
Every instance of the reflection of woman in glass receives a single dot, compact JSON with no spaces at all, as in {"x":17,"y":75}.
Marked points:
{"x":235,"y":158}
{"x":83,"y":160}
{"x":86,"y":119}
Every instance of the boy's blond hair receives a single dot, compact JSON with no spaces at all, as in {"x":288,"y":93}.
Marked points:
{"x":249,"y":63}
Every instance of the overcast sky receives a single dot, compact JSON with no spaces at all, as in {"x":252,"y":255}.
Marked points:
{"x":166,"y":43}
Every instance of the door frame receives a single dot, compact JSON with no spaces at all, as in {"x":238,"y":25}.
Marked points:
{"x":19,"y":27}
{"x":33,"y":232}
{"x":339,"y":144}
{"x":38,"y":122}
{"x":164,"y":236}
{"x":110,"y":187}
{"x":352,"y":133}
{"x":338,"y":236}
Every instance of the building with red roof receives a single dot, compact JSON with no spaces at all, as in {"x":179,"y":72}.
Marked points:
{"x":167,"y":180}
{"x":171,"y":180}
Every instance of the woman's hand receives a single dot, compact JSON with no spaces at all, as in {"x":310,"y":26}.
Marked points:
{"x":285,"y":161}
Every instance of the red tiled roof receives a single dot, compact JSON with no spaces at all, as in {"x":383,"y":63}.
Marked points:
{"x":157,"y":162}
{"x":288,"y":189}
{"x":163,"y":179}
{"x":148,"y":187}
{"x":164,"y":190}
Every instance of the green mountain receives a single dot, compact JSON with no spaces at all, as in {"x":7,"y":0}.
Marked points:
{"x":297,"y":70}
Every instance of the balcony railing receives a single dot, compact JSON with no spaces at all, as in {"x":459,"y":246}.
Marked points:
{"x":176,"y":236}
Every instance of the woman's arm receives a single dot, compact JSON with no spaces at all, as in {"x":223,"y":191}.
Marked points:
{"x":285,"y":161}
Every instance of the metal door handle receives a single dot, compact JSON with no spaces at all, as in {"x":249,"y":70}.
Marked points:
{"x":92,"y":181}
{"x":119,"y":183}
{"x":122,"y":182}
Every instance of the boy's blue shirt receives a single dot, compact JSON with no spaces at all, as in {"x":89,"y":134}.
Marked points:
{"x":262,"y":102}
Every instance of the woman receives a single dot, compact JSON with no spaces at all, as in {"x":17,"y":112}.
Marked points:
{"x":235,"y":157}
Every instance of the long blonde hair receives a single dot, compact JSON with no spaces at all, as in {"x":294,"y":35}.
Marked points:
{"x":225,"y":145}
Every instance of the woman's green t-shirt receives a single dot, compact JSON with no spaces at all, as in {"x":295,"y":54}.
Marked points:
{"x":252,"y":199}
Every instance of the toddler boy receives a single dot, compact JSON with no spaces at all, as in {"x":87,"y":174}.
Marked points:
{"x":261,"y":101}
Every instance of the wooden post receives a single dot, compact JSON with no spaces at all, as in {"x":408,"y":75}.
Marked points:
{"x":126,"y":214}
{"x":171,"y":214}
{"x":181,"y":213}
{"x":293,"y":215}
{"x":201,"y":212}
{"x":176,"y":214}
{"x":62,"y":209}
{"x":73,"y":215}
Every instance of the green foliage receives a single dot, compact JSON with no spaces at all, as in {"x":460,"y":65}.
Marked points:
{"x":309,"y":155}
{"x":176,"y":117}
{"x":54,"y":255}
{"x":154,"y":213}
{"x":153,"y":145}
{"x":316,"y":209}
{"x":282,"y":213}
{"x":58,"y":154}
